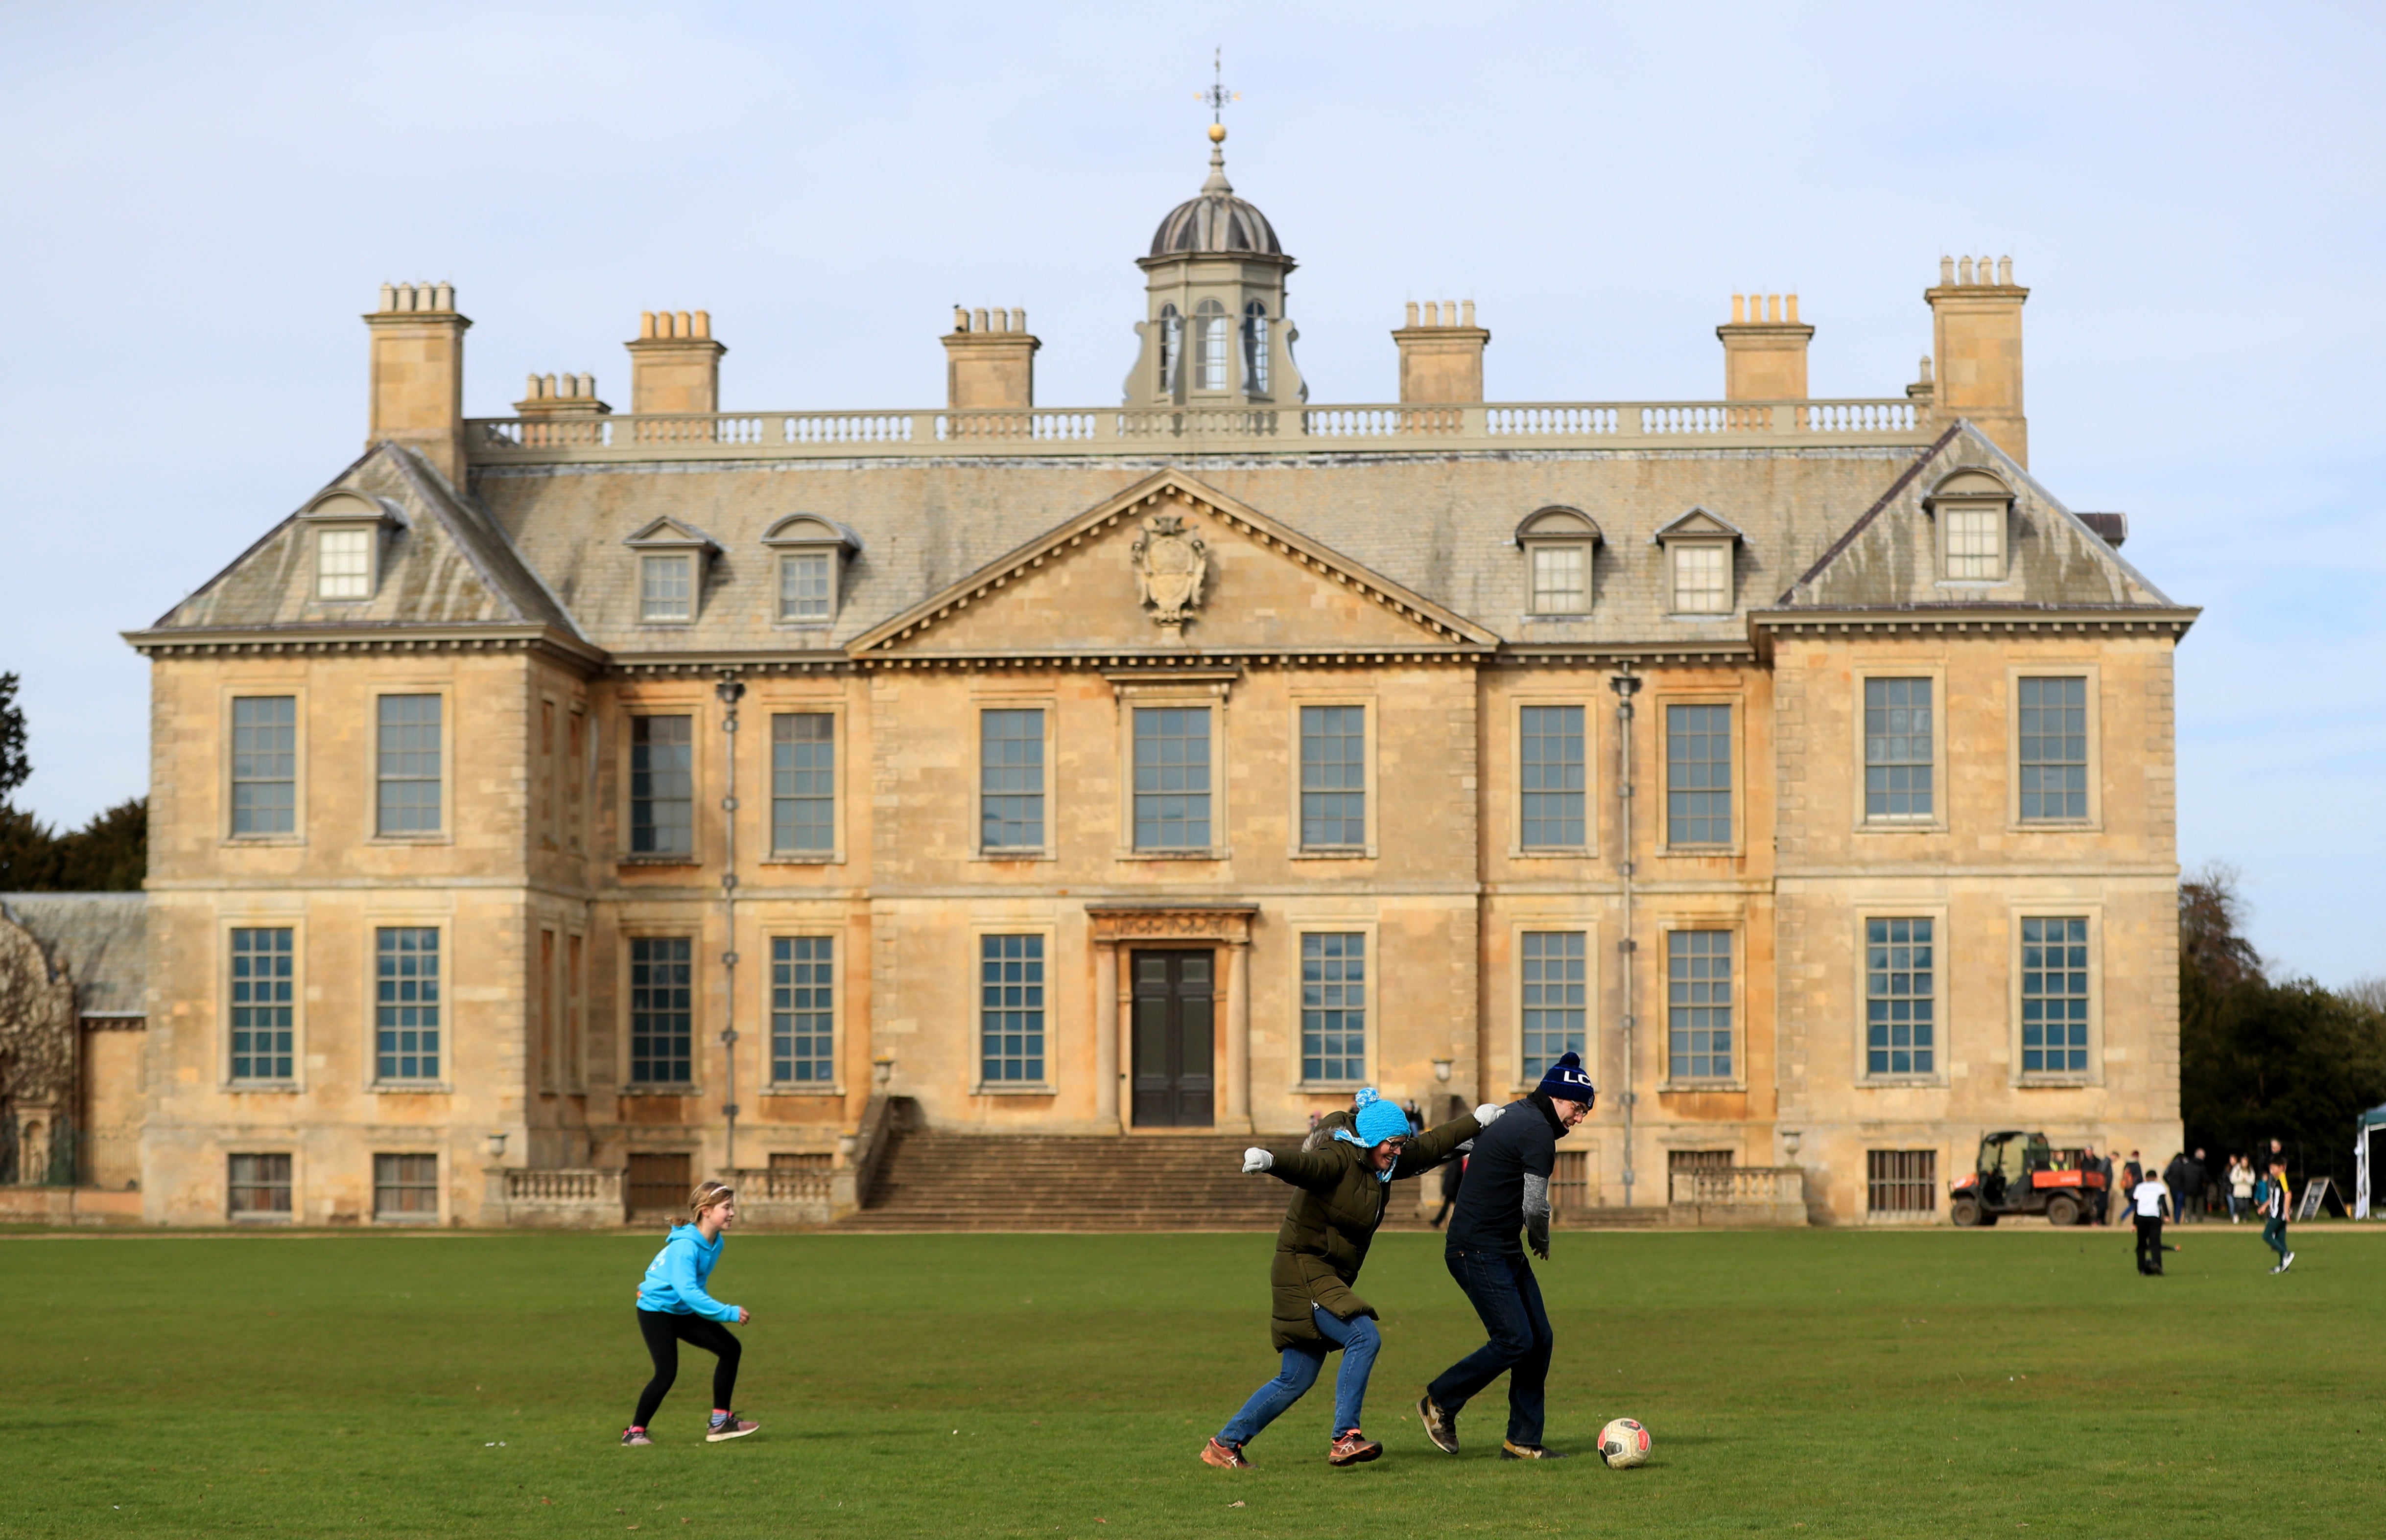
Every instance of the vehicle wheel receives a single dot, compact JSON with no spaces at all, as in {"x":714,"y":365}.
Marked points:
{"x":1965,"y":1212}
{"x":2062,"y":1210}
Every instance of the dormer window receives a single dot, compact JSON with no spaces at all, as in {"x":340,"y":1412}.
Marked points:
{"x":1558,"y":543}
{"x":1255,"y":347}
{"x":1699,"y":567}
{"x":347,"y":529}
{"x":1974,"y":510}
{"x":671,"y":557}
{"x":813,"y":552}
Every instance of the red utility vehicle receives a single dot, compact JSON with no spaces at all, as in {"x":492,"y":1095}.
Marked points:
{"x":2020,"y":1173}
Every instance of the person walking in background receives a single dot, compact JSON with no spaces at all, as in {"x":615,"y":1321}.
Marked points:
{"x":2151,"y":1198}
{"x":2105,"y":1199}
{"x":2174,"y":1178}
{"x":1453,"y":1173}
{"x":2191,"y":1195}
{"x":2275,"y":1198}
{"x":2241,"y":1187}
{"x":1416,"y":1117}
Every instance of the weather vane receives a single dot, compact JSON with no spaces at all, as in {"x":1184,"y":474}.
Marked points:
{"x":1217,"y":96}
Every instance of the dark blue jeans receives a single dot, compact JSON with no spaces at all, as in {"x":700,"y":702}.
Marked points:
{"x":1505,"y":1294}
{"x":1358,"y":1341}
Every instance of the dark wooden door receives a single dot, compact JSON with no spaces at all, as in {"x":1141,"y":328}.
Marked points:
{"x":1175,"y":1044}
{"x":660,"y":1184}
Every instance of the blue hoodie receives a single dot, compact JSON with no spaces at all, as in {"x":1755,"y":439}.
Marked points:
{"x":675,"y":1279}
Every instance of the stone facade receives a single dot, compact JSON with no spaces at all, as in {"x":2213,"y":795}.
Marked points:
{"x":977,"y":661}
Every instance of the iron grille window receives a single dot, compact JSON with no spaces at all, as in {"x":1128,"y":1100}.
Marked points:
{"x":260,"y":1187}
{"x":803,"y":1010}
{"x":662,"y":1010}
{"x":1172,"y":778}
{"x":262,"y":964}
{"x":1698,"y":775}
{"x":1333,"y":1008}
{"x":408,"y":765}
{"x":1898,"y":757}
{"x":1555,"y":967}
{"x":1570,"y":1183}
{"x":405,"y":1004}
{"x":658,"y":1181}
{"x":662,"y":786}
{"x":807,"y":588}
{"x":1551,"y":761}
{"x":666,"y":588}
{"x":1902,"y":1181}
{"x":803,"y":781}
{"x":1698,"y":1004}
{"x":405,"y":1187}
{"x":1010,"y":780}
{"x":2054,"y":749}
{"x":264,"y":764}
{"x":1333,"y":775}
{"x":1010,"y":1010}
{"x":1900,"y":971}
{"x":2054,"y":996}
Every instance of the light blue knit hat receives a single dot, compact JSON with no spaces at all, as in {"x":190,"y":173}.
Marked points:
{"x":1377,"y":1120}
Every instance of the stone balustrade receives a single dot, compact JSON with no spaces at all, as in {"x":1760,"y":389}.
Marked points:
{"x":562,"y":1198}
{"x":776,"y":1199}
{"x":1740,"y":1196}
{"x":1112,"y":430}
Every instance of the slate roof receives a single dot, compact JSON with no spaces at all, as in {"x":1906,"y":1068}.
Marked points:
{"x":101,"y":939}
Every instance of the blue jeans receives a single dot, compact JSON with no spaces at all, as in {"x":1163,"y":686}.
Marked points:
{"x":1358,"y":1341}
{"x":1505,"y":1294}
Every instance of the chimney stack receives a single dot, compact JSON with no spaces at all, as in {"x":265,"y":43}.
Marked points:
{"x":1976,"y":337}
{"x":1764,"y":349}
{"x":675,"y":364}
{"x":989,"y":361}
{"x":1441,"y":354}
{"x":551,"y":396}
{"x":417,"y":374}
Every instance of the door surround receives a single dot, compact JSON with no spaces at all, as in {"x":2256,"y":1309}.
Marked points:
{"x":1225,"y":927}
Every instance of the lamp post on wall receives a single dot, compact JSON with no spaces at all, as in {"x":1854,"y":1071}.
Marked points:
{"x":731,"y":690}
{"x":1626,"y":684}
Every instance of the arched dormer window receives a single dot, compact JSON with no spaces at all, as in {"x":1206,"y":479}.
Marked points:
{"x":346,"y":529}
{"x":813,"y":552}
{"x":1974,"y":510}
{"x":1172,"y":346}
{"x":1558,"y":543}
{"x":1255,"y":347}
{"x":1210,"y":344}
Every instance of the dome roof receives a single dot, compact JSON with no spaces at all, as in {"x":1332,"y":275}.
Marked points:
{"x":1215,"y":221}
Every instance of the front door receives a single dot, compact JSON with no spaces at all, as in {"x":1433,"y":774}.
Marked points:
{"x":1173,"y":1045}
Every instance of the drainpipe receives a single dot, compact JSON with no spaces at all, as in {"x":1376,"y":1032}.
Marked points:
{"x":731,"y":689}
{"x":1625,"y":685}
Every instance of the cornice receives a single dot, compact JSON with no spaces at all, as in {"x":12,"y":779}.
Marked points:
{"x":336,"y":641}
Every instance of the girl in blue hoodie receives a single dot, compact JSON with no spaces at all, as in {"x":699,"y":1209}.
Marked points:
{"x":674,"y":1308}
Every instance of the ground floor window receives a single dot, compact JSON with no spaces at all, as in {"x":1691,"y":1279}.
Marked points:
{"x":803,"y":1014}
{"x":406,"y":1186}
{"x":260,"y":1187}
{"x":1698,"y":1004}
{"x":1902,"y":1181}
{"x":1333,"y":1008}
{"x":1010,"y":1010}
{"x":1570,"y":1183}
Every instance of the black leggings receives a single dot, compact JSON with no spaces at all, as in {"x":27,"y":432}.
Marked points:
{"x":664,"y":1331}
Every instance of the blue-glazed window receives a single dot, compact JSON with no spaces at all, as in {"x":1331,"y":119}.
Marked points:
{"x":803,"y":783}
{"x":262,"y":1032}
{"x":1557,"y":996}
{"x":1333,"y":775}
{"x":1010,"y":1010}
{"x":803,"y":1010}
{"x":662,"y":1010}
{"x":1172,"y":778}
{"x":1898,"y":751}
{"x":1698,"y":775}
{"x":1333,"y":1008}
{"x":264,"y":764}
{"x":1010,"y":780}
{"x":2054,"y":749}
{"x":1698,"y":1004}
{"x":2054,"y":996}
{"x":405,"y":1004}
{"x":1550,"y":760}
{"x":408,"y":768}
{"x":1901,"y":1020}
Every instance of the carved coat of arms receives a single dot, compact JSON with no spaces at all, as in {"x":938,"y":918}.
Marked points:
{"x":1170,"y":564}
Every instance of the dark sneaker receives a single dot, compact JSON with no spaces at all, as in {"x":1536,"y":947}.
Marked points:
{"x":730,"y":1426}
{"x":1226,"y":1456}
{"x":1352,"y":1448}
{"x":1528,"y":1451}
{"x":635,"y":1437}
{"x":1439,"y":1425}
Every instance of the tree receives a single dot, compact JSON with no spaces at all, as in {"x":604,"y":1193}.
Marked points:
{"x":29,"y":853}
{"x":111,"y":854}
{"x":15,"y":767}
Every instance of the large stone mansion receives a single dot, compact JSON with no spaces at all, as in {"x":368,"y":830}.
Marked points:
{"x":579,"y":790}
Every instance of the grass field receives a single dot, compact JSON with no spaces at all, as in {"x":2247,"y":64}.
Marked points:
{"x":1798,"y":1383}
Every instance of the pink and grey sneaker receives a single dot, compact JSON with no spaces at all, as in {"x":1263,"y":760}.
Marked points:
{"x":727,"y":1424}
{"x":635,"y":1437}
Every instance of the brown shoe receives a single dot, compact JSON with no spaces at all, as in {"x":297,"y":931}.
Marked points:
{"x":1439,"y":1425}
{"x":1227,"y":1457}
{"x":1528,"y":1451}
{"x":1353,"y":1448}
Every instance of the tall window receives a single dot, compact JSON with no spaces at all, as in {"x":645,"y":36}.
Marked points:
{"x":1550,"y":759}
{"x":1172,"y":346}
{"x":1333,"y":775}
{"x":261,"y":1028}
{"x":405,"y":1004}
{"x":662,"y":786}
{"x":1558,"y":578}
{"x":405,"y":1187}
{"x":1698,"y":1004}
{"x":2054,"y":749}
{"x":1010,"y":1010}
{"x":803,"y":1013}
{"x":264,"y":764}
{"x":1010,"y":780}
{"x":1902,"y":1181}
{"x":2054,"y":997}
{"x":1255,"y":347}
{"x":667,"y":587}
{"x":1698,"y":775}
{"x":662,"y":1010}
{"x":1701,"y":578}
{"x":1172,"y":778}
{"x":260,"y":1187}
{"x":1975,"y":542}
{"x":1897,"y":749}
{"x":407,"y":768}
{"x":1901,"y":1027}
{"x":1210,"y":344}
{"x":807,"y":587}
{"x":344,"y":564}
{"x":1556,"y":996}
{"x":803,"y":781}
{"x":1333,"y":1008}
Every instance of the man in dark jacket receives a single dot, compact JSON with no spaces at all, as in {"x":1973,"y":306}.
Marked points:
{"x":2189,"y":1200}
{"x":1507,"y":1189}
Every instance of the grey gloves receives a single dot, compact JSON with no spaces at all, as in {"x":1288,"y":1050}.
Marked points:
{"x":1489,"y":1110}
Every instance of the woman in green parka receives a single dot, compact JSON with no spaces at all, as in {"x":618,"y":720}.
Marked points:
{"x":1343,"y":1185}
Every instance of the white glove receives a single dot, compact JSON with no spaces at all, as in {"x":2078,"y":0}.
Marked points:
{"x":1485,"y":1113}
{"x":1256,"y":1160}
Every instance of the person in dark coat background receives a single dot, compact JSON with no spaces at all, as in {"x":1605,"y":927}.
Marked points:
{"x":2189,"y":1199}
{"x":1454,"y":1173}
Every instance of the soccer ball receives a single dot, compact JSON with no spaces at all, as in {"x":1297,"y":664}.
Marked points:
{"x":1624,"y":1444}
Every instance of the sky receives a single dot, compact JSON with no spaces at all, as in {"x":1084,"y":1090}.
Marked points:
{"x":204,"y":199}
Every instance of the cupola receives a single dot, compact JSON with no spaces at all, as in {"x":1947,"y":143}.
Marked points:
{"x":1214,"y":331}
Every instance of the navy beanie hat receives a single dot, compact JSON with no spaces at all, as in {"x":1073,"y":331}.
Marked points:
{"x":1568,"y":1082}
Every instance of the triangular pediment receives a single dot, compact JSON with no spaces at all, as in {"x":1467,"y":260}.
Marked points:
{"x":1698,"y":524}
{"x":672,"y":534}
{"x":1112,"y":579}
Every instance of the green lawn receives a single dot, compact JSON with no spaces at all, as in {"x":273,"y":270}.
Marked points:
{"x":1810,"y":1382}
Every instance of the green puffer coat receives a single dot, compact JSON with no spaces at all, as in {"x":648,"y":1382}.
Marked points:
{"x":1332,"y":1220}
